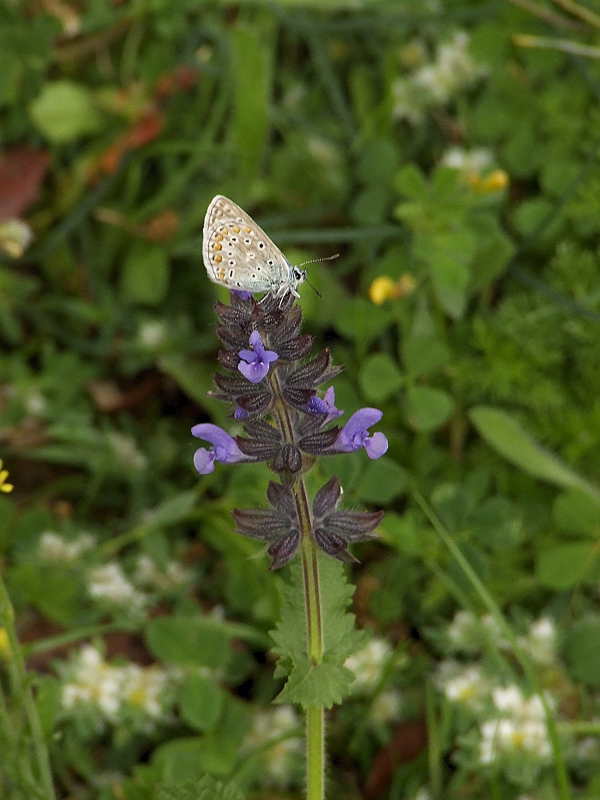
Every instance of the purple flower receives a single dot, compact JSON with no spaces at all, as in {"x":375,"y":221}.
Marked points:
{"x":326,"y":405}
{"x":242,"y":294}
{"x":355,"y":434}
{"x":223,"y":448}
{"x":255,"y":363}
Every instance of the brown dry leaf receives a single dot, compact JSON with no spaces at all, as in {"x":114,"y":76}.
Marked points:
{"x":22,"y":170}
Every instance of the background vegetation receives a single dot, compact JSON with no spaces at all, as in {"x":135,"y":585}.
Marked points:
{"x":456,"y":173}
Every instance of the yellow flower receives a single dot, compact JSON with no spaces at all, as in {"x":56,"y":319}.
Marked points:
{"x":4,"y":645}
{"x":384,"y":288}
{"x":494,"y":182}
{"x":4,"y":487}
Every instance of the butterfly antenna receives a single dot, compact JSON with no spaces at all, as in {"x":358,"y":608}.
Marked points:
{"x":316,"y":291}
{"x":314,"y":260}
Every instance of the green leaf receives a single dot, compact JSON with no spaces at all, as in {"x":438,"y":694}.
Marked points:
{"x":47,"y":697}
{"x":329,"y":682}
{"x":453,"y":505}
{"x":360,"y":321}
{"x":206,"y":789}
{"x":531,"y":213}
{"x":216,"y":752}
{"x":57,"y":593}
{"x":406,"y":532}
{"x":494,"y":249}
{"x":175,"y":509}
{"x":252,"y":94}
{"x":324,"y":684}
{"x":378,"y":160}
{"x":423,"y":355}
{"x":505,"y":435}
{"x":411,"y":182}
{"x":574,"y":512}
{"x":200,"y":702}
{"x":497,"y":523}
{"x":65,"y":111}
{"x":381,"y":481}
{"x":427,"y":407}
{"x":566,"y":565}
{"x":379,"y":377}
{"x":145,"y":273}
{"x":188,"y":641}
{"x":582,"y":652}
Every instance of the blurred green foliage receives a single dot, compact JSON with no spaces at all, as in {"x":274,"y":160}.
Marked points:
{"x":332,"y":125}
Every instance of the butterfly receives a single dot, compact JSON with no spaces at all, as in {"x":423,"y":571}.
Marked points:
{"x":238,"y":254}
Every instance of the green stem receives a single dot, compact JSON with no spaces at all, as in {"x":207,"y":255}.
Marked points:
{"x":7,"y":621}
{"x":315,"y":716}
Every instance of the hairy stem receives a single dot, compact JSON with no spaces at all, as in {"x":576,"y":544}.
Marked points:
{"x":315,"y":717}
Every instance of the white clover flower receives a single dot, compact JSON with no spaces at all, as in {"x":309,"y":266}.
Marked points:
{"x":540,"y":641}
{"x":126,"y":451}
{"x":407,"y":104}
{"x":145,"y":688}
{"x":110,"y":584}
{"x":422,"y":793}
{"x":53,"y":547}
{"x":386,"y":707}
{"x":147,"y":574}
{"x":493,"y":631}
{"x":35,"y":403}
{"x":94,"y":683}
{"x":152,"y":334}
{"x":475,"y":160}
{"x":368,"y":663}
{"x":438,"y":81}
{"x":464,"y":632}
{"x":268,"y":726}
{"x":521,"y":728}
{"x":464,"y":685}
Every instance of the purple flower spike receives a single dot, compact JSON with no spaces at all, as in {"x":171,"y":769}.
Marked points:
{"x":255,"y":363}
{"x":223,"y":448}
{"x":242,"y":294}
{"x":355,"y":434}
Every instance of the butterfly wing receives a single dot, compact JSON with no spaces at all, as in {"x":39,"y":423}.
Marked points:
{"x":237,"y":252}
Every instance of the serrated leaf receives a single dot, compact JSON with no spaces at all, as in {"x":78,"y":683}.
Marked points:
{"x":205,"y":789}
{"x":324,"y":684}
{"x":340,"y":637}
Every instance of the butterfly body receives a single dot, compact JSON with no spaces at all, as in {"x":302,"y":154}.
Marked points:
{"x":238,"y":254}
